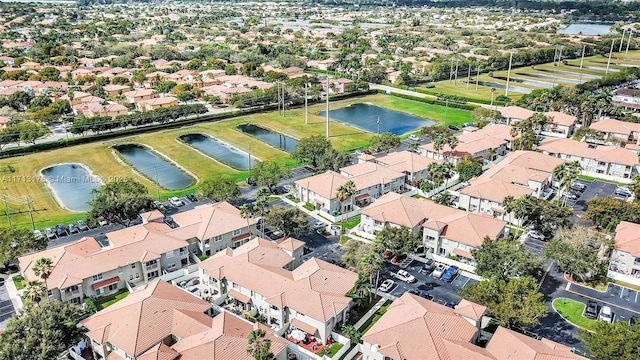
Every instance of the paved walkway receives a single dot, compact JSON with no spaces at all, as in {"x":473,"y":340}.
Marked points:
{"x":10,"y":301}
{"x":370,"y":313}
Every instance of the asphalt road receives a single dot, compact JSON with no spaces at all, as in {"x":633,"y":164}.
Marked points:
{"x":594,"y":189}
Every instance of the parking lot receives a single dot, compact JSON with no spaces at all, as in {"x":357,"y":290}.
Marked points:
{"x":445,"y":293}
{"x":6,"y":306}
{"x":595,"y":188}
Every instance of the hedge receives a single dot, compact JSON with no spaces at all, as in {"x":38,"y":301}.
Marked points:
{"x":432,"y":101}
{"x":469,"y":99}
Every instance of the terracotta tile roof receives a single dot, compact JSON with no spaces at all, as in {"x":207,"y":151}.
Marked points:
{"x":561,"y":118}
{"x":159,"y":352}
{"x":405,"y":161}
{"x":489,"y":137}
{"x":615,"y":126}
{"x":239,"y":296}
{"x":324,"y":184}
{"x":628,"y":238}
{"x":146,"y":316}
{"x":413,"y":327}
{"x":508,"y":344}
{"x":226,"y":339}
{"x":159,"y":101}
{"x":297,"y":323}
{"x":604,"y":153}
{"x":140,"y":93}
{"x":516,"y":112}
{"x":470,"y":309}
{"x":315,"y":288}
{"x":84,"y":258}
{"x":210,"y":220}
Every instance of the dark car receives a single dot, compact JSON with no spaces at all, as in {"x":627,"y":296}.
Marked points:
{"x":60,"y":231}
{"x":72,"y":229}
{"x":591,"y":311}
{"x":414,"y":292}
{"x":82,"y":226}
{"x":192,"y":198}
{"x":366,"y":152}
{"x":634,"y":320}
{"x":428,"y":267}
{"x":169,"y":221}
{"x":252,"y":182}
{"x":426,"y":295}
{"x":453,"y":127}
{"x":450,"y":274}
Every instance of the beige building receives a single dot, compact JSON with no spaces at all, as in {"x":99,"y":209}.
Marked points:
{"x":414,"y":166}
{"x":485,"y":143}
{"x":262,"y":277}
{"x":513,"y":114}
{"x":156,"y":103}
{"x":560,"y":125}
{"x":616,"y":131}
{"x":163,"y":322}
{"x":135,"y":96}
{"x":625,"y":258}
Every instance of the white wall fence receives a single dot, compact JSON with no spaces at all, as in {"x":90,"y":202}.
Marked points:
{"x":340,"y":217}
{"x":469,"y":269}
{"x":184,"y":274}
{"x":623,"y":277}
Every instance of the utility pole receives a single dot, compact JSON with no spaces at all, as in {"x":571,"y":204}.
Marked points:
{"x":629,"y":41}
{"x":455,"y":82}
{"x":624,"y":31}
{"x":155,"y":168}
{"x":378,"y":122}
{"x":584,"y":48}
{"x":446,"y":107}
{"x":469,"y":76}
{"x":249,"y":161}
{"x":6,"y":209}
{"x":477,"y":76}
{"x":560,"y":54}
{"x":283,"y":102}
{"x":609,"y":60}
{"x":28,"y":200}
{"x":506,"y":90}
{"x":451,"y":71}
{"x":493,"y":91}
{"x":278,"y":87}
{"x":327,"y":109}
{"x":306,"y":108}
{"x":555,"y":55}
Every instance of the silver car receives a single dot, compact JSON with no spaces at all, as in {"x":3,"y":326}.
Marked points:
{"x":387,"y":285}
{"x":437,"y":273}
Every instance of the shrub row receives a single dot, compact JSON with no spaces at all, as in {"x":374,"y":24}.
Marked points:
{"x":432,"y":101}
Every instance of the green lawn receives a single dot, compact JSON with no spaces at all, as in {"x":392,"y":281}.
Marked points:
{"x":110,"y":300}
{"x":351,"y":223}
{"x":18,"y":280}
{"x":367,"y":325}
{"x":429,"y":111}
{"x":572,"y":311}
{"x":292,"y":198}
{"x":309,"y":206}
{"x":332,"y":349}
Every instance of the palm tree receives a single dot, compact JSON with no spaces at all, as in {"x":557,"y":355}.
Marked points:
{"x":246,"y":210}
{"x":344,"y":192}
{"x":35,"y":291}
{"x":361,"y":290}
{"x":259,"y":346}
{"x":448,"y":171}
{"x":538,"y":121}
{"x":635,"y":187}
{"x":370,"y":264}
{"x":436,"y":173}
{"x":42,"y":268}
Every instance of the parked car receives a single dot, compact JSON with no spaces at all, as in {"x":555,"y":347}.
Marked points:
{"x":359,"y":152}
{"x":414,"y":137}
{"x":427,"y":268}
{"x":606,"y":314}
{"x":387,"y":285}
{"x":37,"y":234}
{"x":60,"y":231}
{"x":50,"y":234}
{"x":405,"y":276}
{"x":426,"y":295}
{"x":192,"y":197}
{"x":578,"y":187}
{"x":634,"y":320}
{"x":72,"y":229}
{"x":450,"y":274}
{"x":569,"y":195}
{"x":591,"y":311}
{"x":366,"y":152}
{"x":453,"y":127}
{"x":175,"y":201}
{"x":622,"y":192}
{"x":82,"y":226}
{"x":438,"y":271}
{"x":319,"y":225}
{"x":535,"y":235}
{"x":170,"y":222}
{"x":252,"y":182}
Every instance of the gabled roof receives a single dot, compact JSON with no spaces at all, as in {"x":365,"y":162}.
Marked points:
{"x":615,"y":126}
{"x":516,"y":112}
{"x":508,"y":344}
{"x":209,"y":220}
{"x":628,"y":238}
{"x":604,"y":153}
{"x":148,"y":315}
{"x":405,"y":161}
{"x":315,"y":288}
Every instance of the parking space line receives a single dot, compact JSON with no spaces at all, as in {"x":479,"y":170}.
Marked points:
{"x":602,"y":301}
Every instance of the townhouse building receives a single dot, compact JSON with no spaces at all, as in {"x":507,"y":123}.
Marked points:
{"x":600,"y":161}
{"x":519,"y":173}
{"x":625,"y":257}
{"x":161,"y":321}
{"x":413,"y":327}
{"x":156,"y":103}
{"x":627,"y":98}
{"x":414,"y":166}
{"x":560,"y":124}
{"x":268,"y":279}
{"x":135,"y":96}
{"x":616,"y":132}
{"x":485,"y":143}
{"x":444,"y":231}
{"x":513,"y":114}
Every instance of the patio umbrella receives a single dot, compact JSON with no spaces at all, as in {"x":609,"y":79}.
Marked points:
{"x":297,"y":335}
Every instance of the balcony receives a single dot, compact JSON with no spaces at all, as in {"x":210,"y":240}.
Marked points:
{"x":151,"y":267}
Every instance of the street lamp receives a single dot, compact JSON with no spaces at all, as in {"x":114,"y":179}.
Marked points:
{"x":493,"y":91}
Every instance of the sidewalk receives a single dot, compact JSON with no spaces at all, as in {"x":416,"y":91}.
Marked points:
{"x":370,"y":313}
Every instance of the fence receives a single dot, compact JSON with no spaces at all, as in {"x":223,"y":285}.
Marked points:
{"x":466,"y":267}
{"x":624,"y":278}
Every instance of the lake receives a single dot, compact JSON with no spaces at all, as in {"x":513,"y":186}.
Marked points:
{"x":365,"y":117}
{"x":219,"y":150}
{"x":275,"y":139}
{"x":154,"y":166}
{"x":503,"y":87}
{"x":71,"y":185}
{"x":586,"y":29}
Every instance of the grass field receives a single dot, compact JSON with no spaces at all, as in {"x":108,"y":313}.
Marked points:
{"x":20,"y":175}
{"x":572,"y":311}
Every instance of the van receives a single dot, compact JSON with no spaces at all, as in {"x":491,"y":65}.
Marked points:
{"x":606,"y":314}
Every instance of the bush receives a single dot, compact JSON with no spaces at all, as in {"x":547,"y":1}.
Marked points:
{"x":90,"y":306}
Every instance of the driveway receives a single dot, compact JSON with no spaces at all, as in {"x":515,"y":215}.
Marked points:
{"x":6,"y":306}
{"x":595,"y":189}
{"x":615,"y":295}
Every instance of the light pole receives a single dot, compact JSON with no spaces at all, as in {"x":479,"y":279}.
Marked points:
{"x":609,"y":60}
{"x":446,"y":107}
{"x":327,"y":110}
{"x":249,"y":161}
{"x":155,"y":168}
{"x":378,"y":122}
{"x":493,"y":91}
{"x":506,"y":90}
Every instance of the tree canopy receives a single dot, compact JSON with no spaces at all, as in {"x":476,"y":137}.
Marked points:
{"x":290,"y":220}
{"x":311,"y":148}
{"x":505,"y":259}
{"x":399,"y":240}
{"x":615,"y":341}
{"x":119,"y":201}
{"x":607,"y":212}
{"x":468,"y":167}
{"x":269,"y":173}
{"x":385,"y":141}
{"x":42,"y":332}
{"x":220,"y":189}
{"x":15,"y":242}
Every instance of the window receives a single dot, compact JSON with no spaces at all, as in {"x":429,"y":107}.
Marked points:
{"x":206,"y":242}
{"x":171,"y":265}
{"x":152,"y":262}
{"x":97,"y":277}
{"x":49,"y":293}
{"x":119,"y":270}
{"x":130,"y":277}
{"x":236,"y":232}
{"x":152,"y":275}
{"x":133,"y":266}
{"x":217,"y":238}
{"x":137,"y":276}
{"x":169,"y":254}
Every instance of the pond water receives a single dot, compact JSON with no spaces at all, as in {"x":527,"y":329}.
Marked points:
{"x":555,"y":78}
{"x":365,"y":117}
{"x":602,"y":68}
{"x":540,"y":84}
{"x":220,"y":151}
{"x":272,"y":138}
{"x":155,"y":167}
{"x":570,"y":73}
{"x":72,"y":185}
{"x":502,"y":87}
{"x":586,"y":29}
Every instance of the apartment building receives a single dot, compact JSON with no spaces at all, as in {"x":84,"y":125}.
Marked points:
{"x":161,"y":321}
{"x":485,"y":143}
{"x":262,"y":277}
{"x":560,"y":124}
{"x":513,"y":114}
{"x":601,"y":161}
{"x":413,"y":327}
{"x":625,"y":257}
{"x":616,"y":131}
{"x":414,"y":166}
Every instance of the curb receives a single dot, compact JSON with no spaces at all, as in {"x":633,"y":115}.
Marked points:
{"x":564,"y":318}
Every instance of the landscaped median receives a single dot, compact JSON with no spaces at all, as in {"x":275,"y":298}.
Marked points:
{"x":572,"y":311}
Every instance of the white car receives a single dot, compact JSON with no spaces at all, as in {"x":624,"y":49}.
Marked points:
{"x":414,"y":138}
{"x":175,"y":201}
{"x":535,"y":235}
{"x":437,"y":273}
{"x":387,"y":285}
{"x":606,"y":314}
{"x":405,"y":276}
{"x":319,"y":225}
